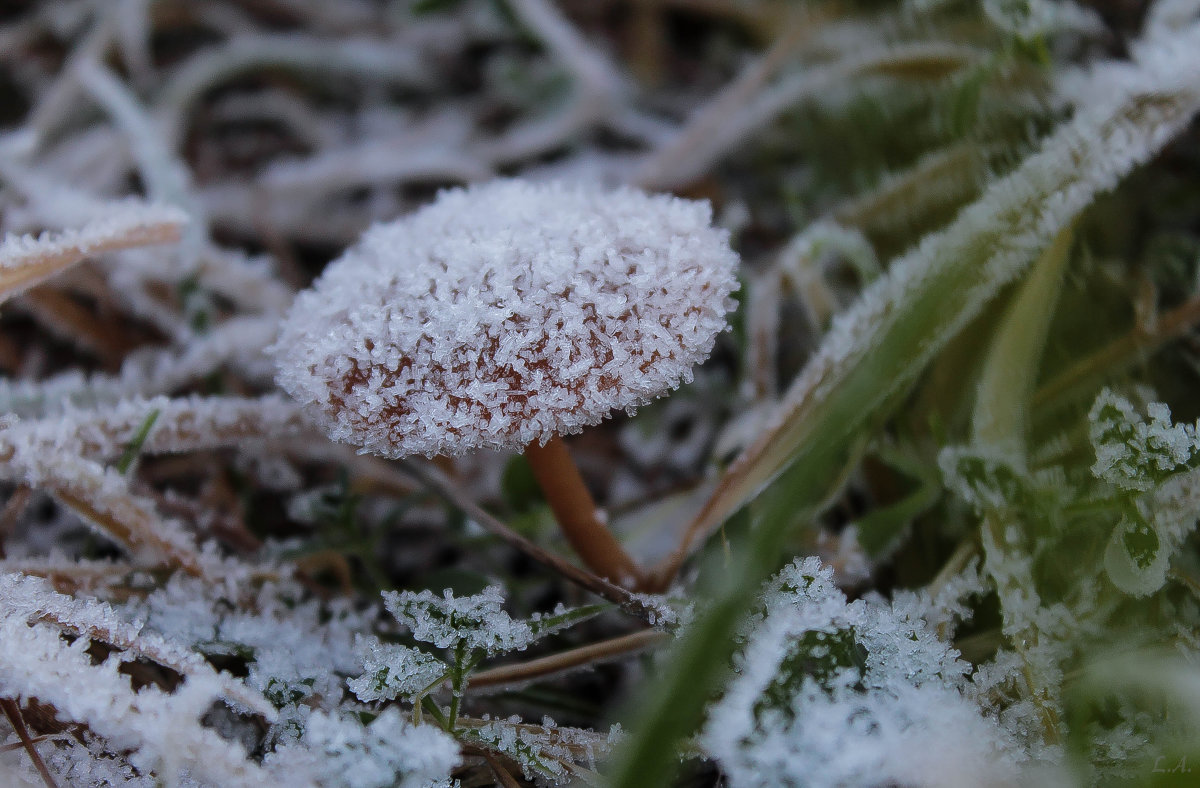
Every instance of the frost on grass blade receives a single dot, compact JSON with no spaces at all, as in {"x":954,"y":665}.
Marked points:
{"x":830,"y":692}
{"x":26,"y":260}
{"x":877,"y":347}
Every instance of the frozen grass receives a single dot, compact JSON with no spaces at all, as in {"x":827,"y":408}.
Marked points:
{"x":925,"y":516}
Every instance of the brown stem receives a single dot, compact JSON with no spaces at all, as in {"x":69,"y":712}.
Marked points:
{"x":576,"y":513}
{"x":567,"y":660}
{"x":13,"y":712}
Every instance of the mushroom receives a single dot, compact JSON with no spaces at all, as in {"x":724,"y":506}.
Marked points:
{"x":504,"y":315}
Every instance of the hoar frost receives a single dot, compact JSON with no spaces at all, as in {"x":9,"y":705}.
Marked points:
{"x":505,"y":313}
{"x":832,"y":693}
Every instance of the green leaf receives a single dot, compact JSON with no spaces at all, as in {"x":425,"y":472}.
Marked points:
{"x":136,"y":442}
{"x":545,"y":625}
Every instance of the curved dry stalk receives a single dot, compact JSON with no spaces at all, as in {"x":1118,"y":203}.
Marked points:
{"x":388,"y":61}
{"x":598,"y":94}
{"x":25,"y":260}
{"x":555,"y":664}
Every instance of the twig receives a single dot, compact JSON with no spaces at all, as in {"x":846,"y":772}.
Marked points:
{"x":35,"y":740}
{"x":13,"y":712}
{"x":25,"y":261}
{"x":567,"y":660}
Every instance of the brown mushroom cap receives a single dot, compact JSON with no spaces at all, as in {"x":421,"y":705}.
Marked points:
{"x":505,"y":313}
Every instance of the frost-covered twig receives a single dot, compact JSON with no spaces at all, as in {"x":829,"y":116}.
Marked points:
{"x":603,"y":588}
{"x":1122,"y":352}
{"x":181,"y":425}
{"x":26,"y":261}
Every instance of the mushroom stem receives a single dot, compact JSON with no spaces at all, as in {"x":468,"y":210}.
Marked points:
{"x":576,"y":512}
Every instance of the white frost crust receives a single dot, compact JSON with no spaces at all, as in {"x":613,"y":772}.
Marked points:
{"x":339,"y":750}
{"x":505,"y":313}
{"x":902,"y":719}
{"x":161,"y":732}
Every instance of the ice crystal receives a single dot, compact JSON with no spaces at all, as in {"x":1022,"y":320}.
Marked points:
{"x":337,"y":750}
{"x":391,"y":671}
{"x":1133,"y":453}
{"x":545,"y":752}
{"x":476,"y":622}
{"x":505,"y":313}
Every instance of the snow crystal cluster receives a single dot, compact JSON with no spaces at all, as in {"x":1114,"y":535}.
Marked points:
{"x":391,"y":671}
{"x":1135,"y":454}
{"x":387,"y":753}
{"x":1152,"y":461}
{"x":833,"y":693}
{"x":505,"y":313}
{"x":478,"y":621}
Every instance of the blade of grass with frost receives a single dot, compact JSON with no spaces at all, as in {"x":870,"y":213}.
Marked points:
{"x":718,"y":128}
{"x":160,"y":731}
{"x":26,"y":261}
{"x":880,"y":345}
{"x":999,"y":424}
{"x":877,"y":348}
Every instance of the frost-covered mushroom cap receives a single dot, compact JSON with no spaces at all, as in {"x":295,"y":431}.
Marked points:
{"x":507,"y":312}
